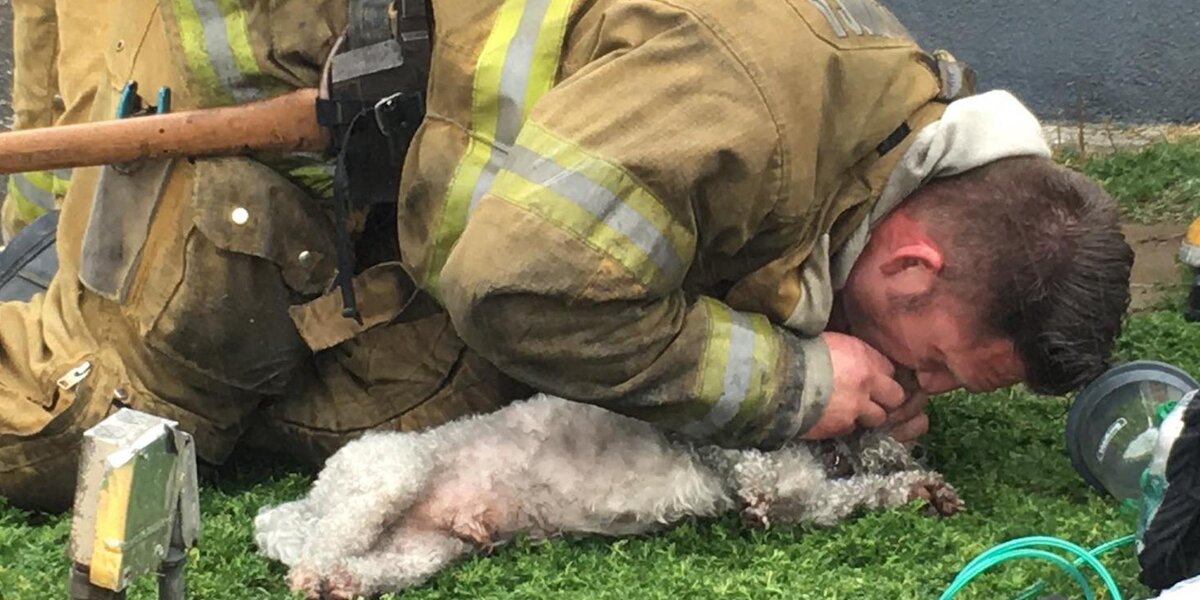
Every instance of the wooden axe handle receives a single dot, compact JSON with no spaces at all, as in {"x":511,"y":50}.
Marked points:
{"x":284,"y":123}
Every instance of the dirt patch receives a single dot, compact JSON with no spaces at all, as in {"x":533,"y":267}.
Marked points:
{"x":1155,"y":267}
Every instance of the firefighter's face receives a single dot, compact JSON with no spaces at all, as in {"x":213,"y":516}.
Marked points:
{"x":942,"y":344}
{"x":893,"y":301}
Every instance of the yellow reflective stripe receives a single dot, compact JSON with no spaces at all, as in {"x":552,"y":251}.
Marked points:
{"x":711,"y":380}
{"x":568,"y":215}
{"x":516,"y":66}
{"x":517,"y":92}
{"x":217,"y":48}
{"x":33,"y":193}
{"x":737,"y":373}
{"x":614,"y":178}
{"x":484,"y":115}
{"x":40,"y":187}
{"x":238,"y":36}
{"x":455,"y":208}
{"x":521,"y":67}
{"x":44,"y":180}
{"x":62,"y":181}
{"x":191,"y":34}
{"x":25,"y":209}
{"x":485,"y":111}
{"x":57,"y":182}
{"x":601,"y":205}
{"x":768,"y":347}
{"x":317,"y":178}
{"x":546,"y":54}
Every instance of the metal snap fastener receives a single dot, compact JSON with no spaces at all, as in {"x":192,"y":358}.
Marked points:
{"x":239,"y":216}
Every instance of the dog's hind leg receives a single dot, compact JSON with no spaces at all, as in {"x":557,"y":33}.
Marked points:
{"x":281,"y":532}
{"x":411,"y":560}
{"x":363,"y":489}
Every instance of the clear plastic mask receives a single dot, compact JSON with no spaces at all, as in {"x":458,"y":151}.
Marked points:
{"x":1112,"y":429}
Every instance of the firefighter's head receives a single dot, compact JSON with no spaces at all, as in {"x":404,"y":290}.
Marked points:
{"x":1014,"y":271}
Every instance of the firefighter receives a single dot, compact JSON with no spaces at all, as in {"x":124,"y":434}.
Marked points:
{"x":746,"y":222}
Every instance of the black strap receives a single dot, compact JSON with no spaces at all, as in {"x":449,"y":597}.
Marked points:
{"x":377,"y":88}
{"x":341,"y":210}
{"x":894,"y":139}
{"x":370,"y":157}
{"x":368,"y":22}
{"x":29,"y":261}
{"x":414,"y":30}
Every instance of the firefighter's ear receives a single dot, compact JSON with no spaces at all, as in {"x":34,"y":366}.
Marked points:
{"x":912,"y":268}
{"x":917,"y":255}
{"x":906,"y":246}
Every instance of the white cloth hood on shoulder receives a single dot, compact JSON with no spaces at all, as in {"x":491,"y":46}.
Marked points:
{"x":972,"y":132}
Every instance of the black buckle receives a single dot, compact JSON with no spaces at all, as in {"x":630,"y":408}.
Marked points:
{"x":398,"y":117}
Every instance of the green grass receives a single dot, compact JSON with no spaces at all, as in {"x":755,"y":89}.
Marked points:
{"x":1004,"y":452}
{"x":1158,"y":184}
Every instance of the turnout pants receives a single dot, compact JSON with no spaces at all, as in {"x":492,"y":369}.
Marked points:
{"x":197,"y":289}
{"x":197,"y":326}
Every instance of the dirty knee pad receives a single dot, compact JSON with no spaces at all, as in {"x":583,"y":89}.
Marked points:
{"x":29,"y":261}
{"x":403,"y":376}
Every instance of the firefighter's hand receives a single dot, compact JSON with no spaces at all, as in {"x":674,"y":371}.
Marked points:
{"x":910,"y":422}
{"x":864,"y":391}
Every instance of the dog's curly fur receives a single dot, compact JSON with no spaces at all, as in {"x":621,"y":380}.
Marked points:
{"x":391,"y":509}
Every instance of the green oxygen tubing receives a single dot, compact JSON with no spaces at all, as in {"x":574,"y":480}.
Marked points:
{"x":1035,"y":548}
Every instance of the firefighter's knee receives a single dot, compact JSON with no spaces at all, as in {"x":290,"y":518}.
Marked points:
{"x":402,"y":376}
{"x":39,"y":449}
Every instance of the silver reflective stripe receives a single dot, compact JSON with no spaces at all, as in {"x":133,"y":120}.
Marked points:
{"x":63,"y":174}
{"x":600,"y":202}
{"x":827,"y":11}
{"x":875,"y":18}
{"x":514,"y":80}
{"x":220,"y":53}
{"x":852,"y":22}
{"x":739,"y":367}
{"x":32,"y":192}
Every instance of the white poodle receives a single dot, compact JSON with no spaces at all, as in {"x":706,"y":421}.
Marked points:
{"x":392,"y":509}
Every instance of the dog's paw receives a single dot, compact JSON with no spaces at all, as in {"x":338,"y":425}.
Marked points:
{"x":942,"y":499}
{"x":342,"y":585}
{"x":305,"y":580}
{"x":757,"y":512}
{"x":475,"y":531}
